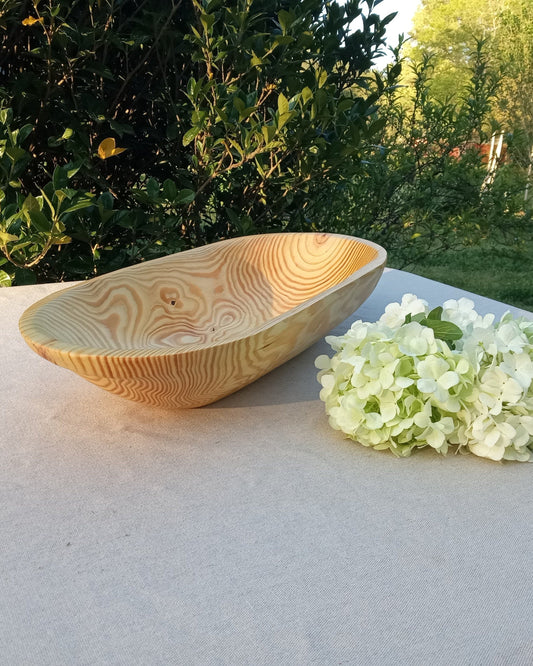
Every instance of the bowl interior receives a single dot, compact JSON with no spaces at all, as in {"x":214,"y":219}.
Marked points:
{"x":201,"y":297}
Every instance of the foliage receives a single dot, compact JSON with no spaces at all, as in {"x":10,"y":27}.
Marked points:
{"x":131,"y":129}
{"x":423,"y":189}
{"x":449,"y":31}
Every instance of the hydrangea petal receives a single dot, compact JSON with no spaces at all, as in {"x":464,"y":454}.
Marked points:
{"x":323,"y":362}
{"x":449,"y":379}
{"x":426,"y":385}
{"x":374,"y":421}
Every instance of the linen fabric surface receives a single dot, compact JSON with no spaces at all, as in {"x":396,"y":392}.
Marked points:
{"x":248,"y":531}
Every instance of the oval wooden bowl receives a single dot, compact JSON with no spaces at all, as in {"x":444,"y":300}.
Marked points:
{"x":188,"y":329}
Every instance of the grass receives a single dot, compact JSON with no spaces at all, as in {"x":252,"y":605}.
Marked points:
{"x":497,"y":271}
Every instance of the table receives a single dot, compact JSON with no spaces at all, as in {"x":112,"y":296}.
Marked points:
{"x":248,"y":531}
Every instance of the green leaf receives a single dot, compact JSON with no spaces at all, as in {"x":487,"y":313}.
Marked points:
{"x":377,"y":126}
{"x":283,"y":40}
{"x":15,"y":153}
{"x":152,"y":188}
{"x":198,"y":118}
{"x":283,"y":104}
{"x":345,"y":105}
{"x":284,"y":119}
{"x":435,"y":314}
{"x":185,"y":196}
{"x":239,"y":104}
{"x":246,"y":113}
{"x":61,"y":195}
{"x":20,"y":246}
{"x":72,"y":169}
{"x":100,"y":70}
{"x":207,"y":21}
{"x":255,"y":61}
{"x":236,"y":146}
{"x":60,"y":178}
{"x":31,"y":203}
{"x":61,"y":239}
{"x":6,"y":238}
{"x":307,"y":94}
{"x":420,"y":317}
{"x":395,"y":70}
{"x":197,"y":35}
{"x":6,"y":116}
{"x":285,"y":19}
{"x":321,"y":77}
{"x":269,"y":132}
{"x":190,"y":135}
{"x":444,"y":330}
{"x":40,"y":222}
{"x":24,"y":132}
{"x":169,"y":189}
{"x":191,"y":84}
{"x":5,"y":280}
{"x":106,"y":201}
{"x":79,"y":205}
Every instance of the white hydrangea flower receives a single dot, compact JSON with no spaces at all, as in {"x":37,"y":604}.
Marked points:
{"x":436,"y":377}
{"x":509,"y":337}
{"x":435,"y":432}
{"x":395,"y":313}
{"x":413,"y":339}
{"x":480,"y":346}
{"x":519,"y":367}
{"x":391,"y":385}
{"x":462,"y":314}
{"x":490,"y":437}
{"x":526,"y":327}
{"x":497,"y":388}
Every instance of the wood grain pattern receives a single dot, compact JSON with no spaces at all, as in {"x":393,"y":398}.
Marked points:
{"x":188,"y":329}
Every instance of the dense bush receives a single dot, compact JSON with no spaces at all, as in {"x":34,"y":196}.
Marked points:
{"x":132,"y":128}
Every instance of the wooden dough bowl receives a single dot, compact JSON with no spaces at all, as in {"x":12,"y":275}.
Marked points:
{"x":188,"y":329}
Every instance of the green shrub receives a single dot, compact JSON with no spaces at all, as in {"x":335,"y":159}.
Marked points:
{"x":422,"y":188}
{"x":132,"y":129}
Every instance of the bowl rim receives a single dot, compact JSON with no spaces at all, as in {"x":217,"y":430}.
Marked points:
{"x":33,"y":336}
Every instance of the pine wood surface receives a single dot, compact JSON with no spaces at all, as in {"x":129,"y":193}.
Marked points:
{"x":188,"y":329}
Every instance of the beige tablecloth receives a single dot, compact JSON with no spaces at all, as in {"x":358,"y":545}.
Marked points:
{"x":247,"y":532}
